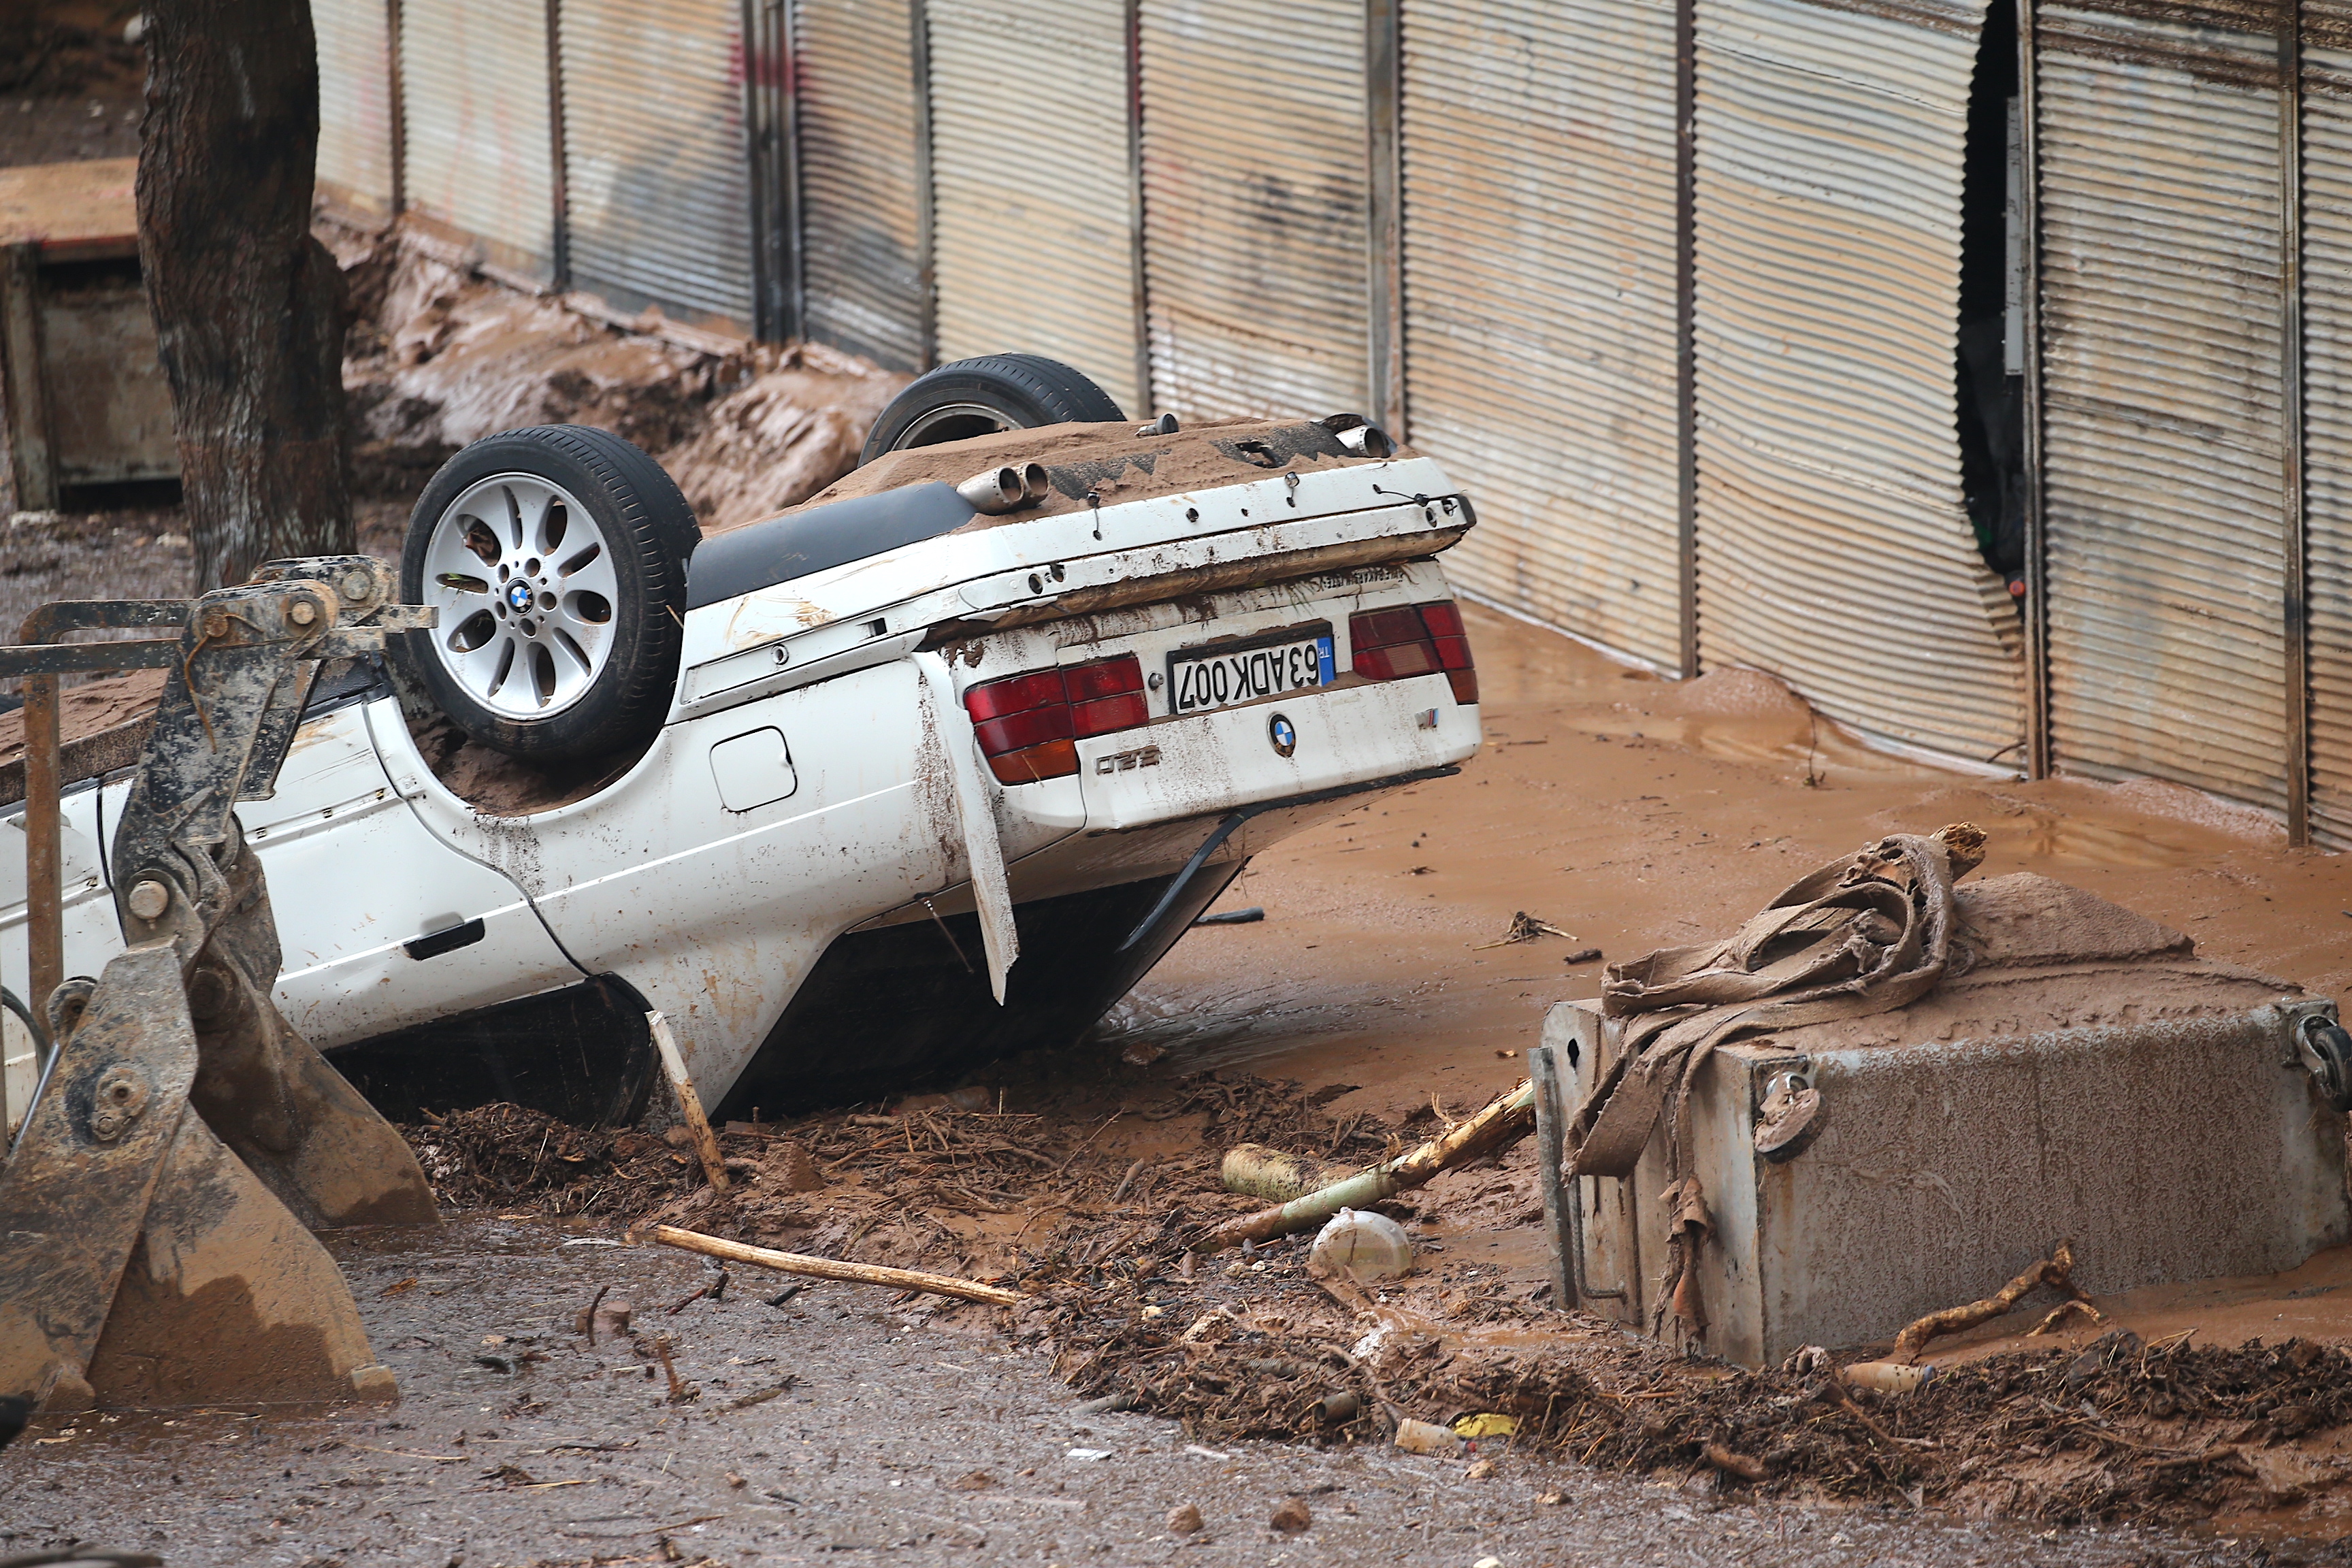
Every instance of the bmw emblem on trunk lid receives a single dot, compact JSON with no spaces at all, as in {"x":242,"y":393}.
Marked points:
{"x":1283,"y":734}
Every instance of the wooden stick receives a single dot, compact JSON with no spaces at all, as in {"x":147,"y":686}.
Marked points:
{"x":1731,"y":1463}
{"x":689,"y":1104}
{"x":831,"y":1269}
{"x":1506,"y":1120}
{"x":2055,"y":1269}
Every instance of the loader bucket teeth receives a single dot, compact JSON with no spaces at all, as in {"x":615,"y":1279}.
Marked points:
{"x":227,"y":1297}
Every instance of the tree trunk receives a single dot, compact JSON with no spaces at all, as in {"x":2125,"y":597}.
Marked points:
{"x":247,"y":305}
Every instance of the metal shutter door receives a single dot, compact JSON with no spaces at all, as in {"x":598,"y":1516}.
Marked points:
{"x":478,"y":153}
{"x":2161,"y":312}
{"x":862,"y":269}
{"x":2328,"y":406}
{"x":355,"y":99}
{"x":1255,"y":259}
{"x":1833,"y":548}
{"x":1539,"y":302}
{"x":656,"y":170}
{"x":1032,"y":211}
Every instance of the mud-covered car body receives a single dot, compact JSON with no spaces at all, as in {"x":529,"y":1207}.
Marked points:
{"x":916,"y":756}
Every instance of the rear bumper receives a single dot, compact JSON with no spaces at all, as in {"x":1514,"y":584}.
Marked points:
{"x":1351,"y":735}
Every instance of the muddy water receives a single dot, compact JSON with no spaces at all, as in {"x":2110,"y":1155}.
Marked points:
{"x":902,"y":1437}
{"x":1635,"y":813}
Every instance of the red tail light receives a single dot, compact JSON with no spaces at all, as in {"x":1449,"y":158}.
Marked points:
{"x":1419,"y":640}
{"x":1028,"y":724}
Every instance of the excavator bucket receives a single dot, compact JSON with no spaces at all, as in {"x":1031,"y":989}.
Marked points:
{"x":157,"y":1208}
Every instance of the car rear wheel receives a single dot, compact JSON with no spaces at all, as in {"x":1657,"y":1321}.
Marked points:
{"x":556,"y":557}
{"x":981,"y":396}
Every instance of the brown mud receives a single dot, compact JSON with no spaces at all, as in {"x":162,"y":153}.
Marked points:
{"x":841,"y":1425}
{"x":442,"y":352}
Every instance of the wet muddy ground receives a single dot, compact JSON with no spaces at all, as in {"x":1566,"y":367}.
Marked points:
{"x":1627,"y":810}
{"x":840,"y":1427}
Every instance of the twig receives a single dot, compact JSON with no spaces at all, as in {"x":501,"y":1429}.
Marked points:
{"x":831,"y":1269}
{"x":679,"y":1394}
{"x":1126,"y":1181}
{"x":1723,"y":1460}
{"x":2062,"y":1309}
{"x":689,"y":1103}
{"x":586,"y":1322}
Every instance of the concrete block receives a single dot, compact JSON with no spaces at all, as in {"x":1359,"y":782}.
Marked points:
{"x":2085,"y":1078}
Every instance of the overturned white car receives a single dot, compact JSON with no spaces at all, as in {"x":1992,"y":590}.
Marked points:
{"x":933,"y":766}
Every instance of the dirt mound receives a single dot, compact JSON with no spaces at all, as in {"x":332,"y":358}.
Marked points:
{"x":441,"y":352}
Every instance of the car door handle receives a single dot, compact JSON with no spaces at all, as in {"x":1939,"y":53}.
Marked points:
{"x":432,"y":945}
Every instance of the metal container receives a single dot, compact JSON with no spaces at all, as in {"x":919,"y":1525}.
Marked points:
{"x":2086,"y":1078}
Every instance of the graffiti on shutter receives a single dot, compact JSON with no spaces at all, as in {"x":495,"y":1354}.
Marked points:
{"x":861,"y":270}
{"x":656,"y":170}
{"x":479,"y":154}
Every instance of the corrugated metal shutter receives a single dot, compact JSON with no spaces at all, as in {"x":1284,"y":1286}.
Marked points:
{"x":1033,"y":210}
{"x":1833,"y":548}
{"x":476,"y":107}
{"x":1254,"y":182}
{"x":2328,"y":406}
{"x":656,"y":170}
{"x":355,"y":99}
{"x":1539,"y":302}
{"x":862,"y":278}
{"x":2162,"y":320}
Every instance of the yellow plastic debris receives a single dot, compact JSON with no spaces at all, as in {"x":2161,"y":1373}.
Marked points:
{"x":1489,"y":1425}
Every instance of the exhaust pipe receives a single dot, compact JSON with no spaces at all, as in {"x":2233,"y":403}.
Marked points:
{"x":1358,"y":435}
{"x":995,"y":491}
{"x":998,"y":490}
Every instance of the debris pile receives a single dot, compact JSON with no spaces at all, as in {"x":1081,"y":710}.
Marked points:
{"x":444,"y":349}
{"x":939,"y":1181}
{"x":2169,"y":1432}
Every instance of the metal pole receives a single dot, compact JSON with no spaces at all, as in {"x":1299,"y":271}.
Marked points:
{"x":2039,"y":753}
{"x":793,"y":241}
{"x":45,"y":939}
{"x":393,"y":85}
{"x":756,"y":128}
{"x":1384,"y":212}
{"x":2293,"y":504}
{"x":559,"y":186}
{"x":1141,"y":281}
{"x":926,"y":304}
{"x":1686,"y":326}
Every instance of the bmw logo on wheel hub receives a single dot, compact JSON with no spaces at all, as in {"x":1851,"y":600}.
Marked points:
{"x":518,"y":595}
{"x":1285,"y":736}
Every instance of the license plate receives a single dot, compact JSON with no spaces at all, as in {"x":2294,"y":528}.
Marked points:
{"x":1202,"y":678}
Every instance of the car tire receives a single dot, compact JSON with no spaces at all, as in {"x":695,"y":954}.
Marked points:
{"x":981,"y":396}
{"x":557,"y":557}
